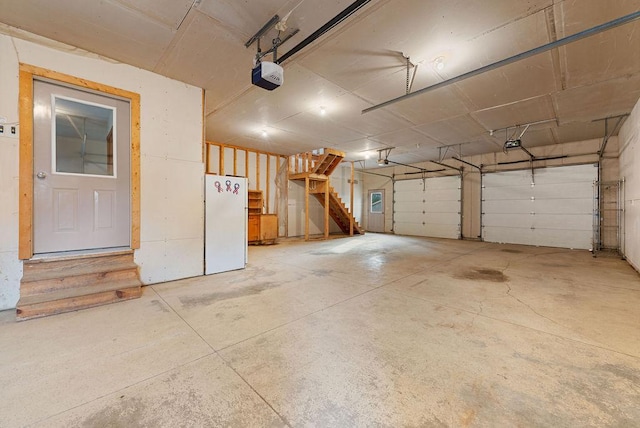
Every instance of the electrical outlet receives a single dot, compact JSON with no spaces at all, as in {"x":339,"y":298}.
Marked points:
{"x":10,"y":131}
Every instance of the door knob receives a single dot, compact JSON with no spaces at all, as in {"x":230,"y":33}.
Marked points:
{"x":41,"y":175}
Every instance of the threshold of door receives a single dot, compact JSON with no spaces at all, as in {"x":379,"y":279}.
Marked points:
{"x":79,"y":254}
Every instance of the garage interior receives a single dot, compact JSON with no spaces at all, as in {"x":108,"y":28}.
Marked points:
{"x":455,"y":198}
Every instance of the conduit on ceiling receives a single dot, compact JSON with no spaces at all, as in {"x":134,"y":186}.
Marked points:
{"x":540,"y":49}
{"x":350,"y":10}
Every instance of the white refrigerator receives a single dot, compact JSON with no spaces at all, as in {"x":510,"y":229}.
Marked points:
{"x":225,"y":224}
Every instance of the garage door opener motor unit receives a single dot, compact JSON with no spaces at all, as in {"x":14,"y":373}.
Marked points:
{"x":266,"y":74}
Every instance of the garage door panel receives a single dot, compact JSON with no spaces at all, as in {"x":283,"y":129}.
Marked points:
{"x":409,"y":186}
{"x":442,"y":195}
{"x":509,"y":220}
{"x":408,"y":196}
{"x":440,"y":230}
{"x":409,"y":217}
{"x":510,"y":180}
{"x":507,"y":207}
{"x":554,"y":206}
{"x":442,"y":207}
{"x":507,"y":193}
{"x":413,"y":229}
{"x":559,"y":238}
{"x":560,"y":207}
{"x":563,"y":222}
{"x":564,"y":190}
{"x":511,"y":235}
{"x":442,"y":218}
{"x":429,"y":207}
{"x":410,"y":206}
{"x":579,"y":173}
{"x":446,"y":183}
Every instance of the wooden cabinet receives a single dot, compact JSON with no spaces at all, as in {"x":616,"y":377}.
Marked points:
{"x":255,"y":202}
{"x":263,"y":228}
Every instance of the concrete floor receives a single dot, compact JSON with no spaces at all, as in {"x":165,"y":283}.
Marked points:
{"x":375,"y":330}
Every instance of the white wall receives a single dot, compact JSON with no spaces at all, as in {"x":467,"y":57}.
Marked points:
{"x":172,"y":170}
{"x":629,"y":140}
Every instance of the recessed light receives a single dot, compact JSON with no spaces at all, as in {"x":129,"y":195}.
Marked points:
{"x":264,"y":133}
{"x":323,"y":111}
{"x":438,"y":63}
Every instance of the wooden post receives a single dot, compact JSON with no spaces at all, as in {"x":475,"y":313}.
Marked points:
{"x":351,"y":201}
{"x":25,"y":225}
{"x":257,"y":171}
{"x":306,"y":208}
{"x":221,"y":159}
{"x":235,"y":161}
{"x":268,"y":181}
{"x":326,"y":209}
{"x":246,"y":164}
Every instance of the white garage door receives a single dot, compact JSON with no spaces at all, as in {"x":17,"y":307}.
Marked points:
{"x":555,"y":209}
{"x":429,"y":207}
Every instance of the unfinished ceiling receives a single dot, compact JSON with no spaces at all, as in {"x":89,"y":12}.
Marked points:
{"x":361,"y":63}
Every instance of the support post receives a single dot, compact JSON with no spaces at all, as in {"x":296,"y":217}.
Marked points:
{"x":306,"y":208}
{"x":326,"y":209}
{"x":351,"y":200}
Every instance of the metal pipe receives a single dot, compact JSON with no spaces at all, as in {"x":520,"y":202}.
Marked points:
{"x":393,"y":202}
{"x":607,"y":135}
{"x":408,"y":166}
{"x":481,"y":201}
{"x":527,"y":152}
{"x":535,"y":160}
{"x":467,"y":163}
{"x":461,"y":206}
{"x":446,"y":166}
{"x":373,"y":173}
{"x":350,"y":10}
{"x":535,"y":51}
{"x":423,"y":172}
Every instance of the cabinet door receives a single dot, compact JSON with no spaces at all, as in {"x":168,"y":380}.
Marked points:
{"x":268,"y":227}
{"x":254,"y":228}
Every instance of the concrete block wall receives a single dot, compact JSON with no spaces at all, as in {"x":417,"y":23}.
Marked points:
{"x":630,"y":172}
{"x":172,"y":168}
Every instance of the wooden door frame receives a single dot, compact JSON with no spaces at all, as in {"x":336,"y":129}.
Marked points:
{"x":25,"y":210}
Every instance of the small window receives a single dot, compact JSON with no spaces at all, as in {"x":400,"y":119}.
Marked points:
{"x":83,"y":138}
{"x":376,"y":202}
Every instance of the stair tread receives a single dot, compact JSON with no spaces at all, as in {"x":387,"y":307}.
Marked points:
{"x":86,"y":269}
{"x":69,"y":293}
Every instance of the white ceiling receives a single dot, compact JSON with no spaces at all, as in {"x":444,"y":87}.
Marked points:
{"x":359,"y":64}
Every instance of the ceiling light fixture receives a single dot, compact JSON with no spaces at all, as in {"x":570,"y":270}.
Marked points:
{"x":264,"y":133}
{"x":438,"y":63}
{"x":323,"y":111}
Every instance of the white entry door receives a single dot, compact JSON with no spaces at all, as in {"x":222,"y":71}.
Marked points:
{"x":82,"y":170}
{"x":375,"y":219}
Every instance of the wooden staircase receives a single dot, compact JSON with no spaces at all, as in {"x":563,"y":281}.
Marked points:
{"x":338,"y":211}
{"x":52,"y":286}
{"x":314,"y":168}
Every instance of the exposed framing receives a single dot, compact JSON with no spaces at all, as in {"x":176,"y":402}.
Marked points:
{"x":221,"y":165}
{"x":25,"y":210}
